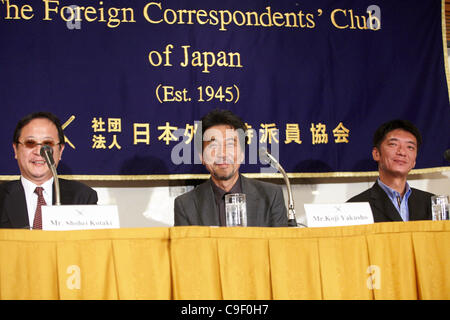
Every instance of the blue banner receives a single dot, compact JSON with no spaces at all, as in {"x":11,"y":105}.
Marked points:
{"x":313,"y":80}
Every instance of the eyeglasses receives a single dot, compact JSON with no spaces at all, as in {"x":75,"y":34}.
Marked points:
{"x":31,"y":144}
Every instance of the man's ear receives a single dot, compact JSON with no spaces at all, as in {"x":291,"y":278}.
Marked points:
{"x":241,"y":154}
{"x":15,"y":150}
{"x":61,"y":148}
{"x":376,"y":154}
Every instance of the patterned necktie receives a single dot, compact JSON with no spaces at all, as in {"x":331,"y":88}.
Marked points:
{"x":37,"y":223}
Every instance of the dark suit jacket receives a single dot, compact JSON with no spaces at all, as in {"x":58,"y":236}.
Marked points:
{"x":13,"y":206}
{"x":383,"y":210}
{"x":265,"y":205}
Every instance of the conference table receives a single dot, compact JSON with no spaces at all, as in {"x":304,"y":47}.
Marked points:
{"x":395,"y":260}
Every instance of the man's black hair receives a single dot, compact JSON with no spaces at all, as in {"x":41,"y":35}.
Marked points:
{"x":222,"y":117}
{"x":389,"y":126}
{"x":38,"y":115}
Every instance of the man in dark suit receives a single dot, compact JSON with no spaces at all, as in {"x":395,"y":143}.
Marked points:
{"x":395,"y":146}
{"x":21,"y":200}
{"x":223,"y":139}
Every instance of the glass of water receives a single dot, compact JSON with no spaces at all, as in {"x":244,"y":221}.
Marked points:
{"x":440,"y":207}
{"x":236,"y":210}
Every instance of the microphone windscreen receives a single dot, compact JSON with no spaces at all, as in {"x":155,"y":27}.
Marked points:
{"x":46,"y":149}
{"x":47,"y":153}
{"x":263,"y":158}
{"x":447,"y":155}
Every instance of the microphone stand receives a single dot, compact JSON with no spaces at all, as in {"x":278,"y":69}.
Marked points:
{"x":47,"y":153}
{"x":57,"y":191}
{"x":292,"y":221}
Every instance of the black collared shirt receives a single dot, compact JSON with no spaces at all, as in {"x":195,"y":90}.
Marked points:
{"x":219,"y":195}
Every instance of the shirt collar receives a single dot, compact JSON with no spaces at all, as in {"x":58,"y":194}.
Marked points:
{"x":219,"y":192}
{"x":30,"y":186}
{"x":392,"y":194}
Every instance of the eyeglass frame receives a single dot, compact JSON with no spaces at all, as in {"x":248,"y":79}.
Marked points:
{"x":43,"y":143}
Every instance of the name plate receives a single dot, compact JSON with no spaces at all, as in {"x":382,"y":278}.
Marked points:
{"x":79,"y":217}
{"x":342,"y":214}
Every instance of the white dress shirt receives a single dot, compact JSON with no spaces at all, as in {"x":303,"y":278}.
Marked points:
{"x":32,"y":197}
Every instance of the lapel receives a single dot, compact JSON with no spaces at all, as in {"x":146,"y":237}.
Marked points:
{"x":419,"y":206}
{"x":252,"y":199}
{"x":15,"y":205}
{"x":206,"y":205}
{"x":65,"y":198}
{"x":382,"y":205}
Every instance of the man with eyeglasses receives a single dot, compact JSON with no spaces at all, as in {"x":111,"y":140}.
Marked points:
{"x":21,"y":200}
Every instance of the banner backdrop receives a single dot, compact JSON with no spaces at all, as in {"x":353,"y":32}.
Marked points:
{"x":313,"y":80}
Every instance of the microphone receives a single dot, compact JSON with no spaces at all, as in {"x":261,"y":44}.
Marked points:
{"x":47,"y":154}
{"x":266,"y":157}
{"x":447,"y":155}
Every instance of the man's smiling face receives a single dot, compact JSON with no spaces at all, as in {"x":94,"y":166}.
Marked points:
{"x":32,"y":166}
{"x":397,"y":153}
{"x":222,"y":154}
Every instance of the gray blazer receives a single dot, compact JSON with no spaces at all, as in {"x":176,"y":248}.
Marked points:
{"x":265,"y":205}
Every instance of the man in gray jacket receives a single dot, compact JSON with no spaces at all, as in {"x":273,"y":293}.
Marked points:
{"x":223,"y":142}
